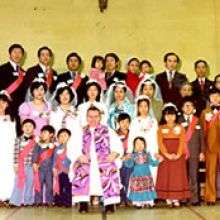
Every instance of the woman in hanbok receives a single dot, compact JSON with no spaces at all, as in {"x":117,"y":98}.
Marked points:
{"x":93,"y":97}
{"x":146,"y":126}
{"x":36,"y":107}
{"x":8,"y":135}
{"x":149,"y":87}
{"x":119,"y":100}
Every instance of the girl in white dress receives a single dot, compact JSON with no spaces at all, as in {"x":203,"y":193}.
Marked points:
{"x":144,"y":125}
{"x":8,"y":135}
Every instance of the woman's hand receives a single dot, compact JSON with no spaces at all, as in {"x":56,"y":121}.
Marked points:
{"x":83,"y":159}
{"x":112,"y":156}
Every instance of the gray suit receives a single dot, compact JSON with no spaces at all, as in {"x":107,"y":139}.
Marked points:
{"x":196,"y":146}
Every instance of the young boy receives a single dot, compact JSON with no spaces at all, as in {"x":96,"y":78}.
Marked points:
{"x":24,"y":146}
{"x":61,"y":164}
{"x":125,"y":172}
{"x":210,"y":118}
{"x":43,"y":166}
{"x":195,"y":143}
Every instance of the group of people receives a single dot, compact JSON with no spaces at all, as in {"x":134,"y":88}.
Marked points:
{"x":106,"y":137}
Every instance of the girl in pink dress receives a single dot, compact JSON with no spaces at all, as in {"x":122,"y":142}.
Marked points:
{"x":97,"y":71}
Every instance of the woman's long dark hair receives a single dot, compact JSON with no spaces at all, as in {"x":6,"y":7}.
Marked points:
{"x":98,"y":88}
{"x":8,"y":111}
{"x":169,"y":110}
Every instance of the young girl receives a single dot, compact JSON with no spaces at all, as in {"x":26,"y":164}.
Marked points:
{"x":172,"y":183}
{"x":146,"y":70}
{"x":149,"y":88}
{"x":97,"y":72}
{"x":36,"y":108}
{"x":144,"y":125}
{"x":133,"y":79}
{"x":8,"y":134}
{"x":141,"y":186}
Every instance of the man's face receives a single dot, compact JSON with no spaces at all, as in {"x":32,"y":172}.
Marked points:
{"x":16,"y":55}
{"x":171,"y":63}
{"x":110,"y":64}
{"x":73,"y":64}
{"x":45,"y":57}
{"x":201,"y":70}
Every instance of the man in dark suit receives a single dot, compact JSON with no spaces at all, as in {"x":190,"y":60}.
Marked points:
{"x":12,"y":80}
{"x":43,"y":69}
{"x":171,"y":80}
{"x":201,"y":85}
{"x":73,"y":77}
{"x":12,"y":77}
{"x":111,"y":66}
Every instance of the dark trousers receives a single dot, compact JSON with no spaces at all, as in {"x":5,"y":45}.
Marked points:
{"x":46,"y":179}
{"x":65,"y":196}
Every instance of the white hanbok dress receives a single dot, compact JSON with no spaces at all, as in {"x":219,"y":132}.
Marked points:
{"x":146,"y":128}
{"x":7,"y":175}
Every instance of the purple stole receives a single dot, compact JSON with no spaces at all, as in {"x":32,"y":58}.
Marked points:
{"x":109,"y":176}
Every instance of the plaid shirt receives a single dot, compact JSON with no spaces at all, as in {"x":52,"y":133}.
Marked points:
{"x":20,"y":143}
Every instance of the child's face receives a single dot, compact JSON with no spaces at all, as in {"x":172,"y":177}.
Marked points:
{"x":170,"y":118}
{"x":145,"y":68}
{"x":119,"y":94}
{"x":133,"y":67}
{"x":124,"y":124}
{"x":143,"y":108}
{"x":28,"y":128}
{"x":46,"y":136}
{"x":139,"y":145}
{"x":99,"y":64}
{"x":215,"y":98}
{"x":93,"y":118}
{"x":171,"y":63}
{"x":63,"y":138}
{"x":148,"y":90}
{"x":188,"y":108}
{"x":39,"y":93}
{"x":3,"y":105}
{"x":186,"y":90}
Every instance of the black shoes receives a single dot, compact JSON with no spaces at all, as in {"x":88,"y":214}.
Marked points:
{"x":109,"y":209}
{"x":83,"y":207}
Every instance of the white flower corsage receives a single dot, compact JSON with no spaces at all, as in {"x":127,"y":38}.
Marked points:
{"x":165,"y":131}
{"x":70,"y":81}
{"x":184,"y":124}
{"x":177,"y":130}
{"x":198,"y":127}
{"x":208,"y":116}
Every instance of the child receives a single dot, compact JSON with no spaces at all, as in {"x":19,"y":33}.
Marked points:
{"x":124,"y":121}
{"x":210,"y":119}
{"x":61,"y":164}
{"x":8,"y":135}
{"x":196,"y":145}
{"x":43,"y":165}
{"x":23,"y":151}
{"x":97,"y":72}
{"x":141,"y":187}
{"x":172,"y":183}
{"x":146,"y":70}
{"x":133,"y":74}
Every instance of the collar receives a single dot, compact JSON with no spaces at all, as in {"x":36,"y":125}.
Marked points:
{"x":14,"y":65}
{"x":168,"y":72}
{"x":43,"y":67}
{"x":188,"y":116}
{"x":201,"y":79}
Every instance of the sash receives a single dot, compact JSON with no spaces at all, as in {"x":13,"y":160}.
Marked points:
{"x":189,"y":132}
{"x":60,"y":168}
{"x":14,"y":86}
{"x":42,"y":157}
{"x":49,"y":78}
{"x":77,"y":81}
{"x":21,"y":173}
